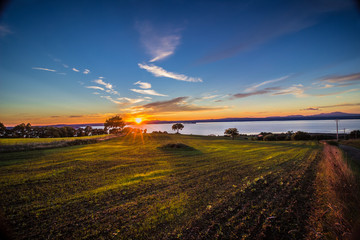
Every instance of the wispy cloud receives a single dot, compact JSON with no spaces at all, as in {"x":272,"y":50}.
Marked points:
{"x":96,"y":93}
{"x":342,"y":78}
{"x":109,"y":86}
{"x":95,"y":87}
{"x":143,"y":85}
{"x":111,"y":99}
{"x":44,"y":69}
{"x":159,"y":46}
{"x":253,"y":88}
{"x":341,"y":105}
{"x":296,"y":90}
{"x":178,"y":104}
{"x":331,"y":106}
{"x":61,"y":73}
{"x":337,"y":93}
{"x":86,"y":71}
{"x":101,"y":82}
{"x":148,"y":92}
{"x":131,"y":100}
{"x":259,"y":92}
{"x":210,"y":97}
{"x":75,"y":70}
{"x":65,"y":66}
{"x":310,"y":109}
{"x":160,"y":72}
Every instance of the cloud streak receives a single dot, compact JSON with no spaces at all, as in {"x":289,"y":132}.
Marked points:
{"x":75,"y":70}
{"x":178,"y":104}
{"x":159,"y":46}
{"x":259,"y":92}
{"x":95,"y":87}
{"x":331,"y":106}
{"x":44,"y":69}
{"x":160,"y":72}
{"x":143,"y":85}
{"x":86,"y":71}
{"x":253,"y":88}
{"x":108,"y":86}
{"x":342,"y":78}
{"x":337,"y":93}
{"x":131,"y":100}
{"x":148,"y":92}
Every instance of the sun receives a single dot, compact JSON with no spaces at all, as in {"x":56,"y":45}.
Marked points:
{"x":138,"y":120}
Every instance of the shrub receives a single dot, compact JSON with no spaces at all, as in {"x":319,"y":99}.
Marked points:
{"x":270,"y":137}
{"x":299,"y":135}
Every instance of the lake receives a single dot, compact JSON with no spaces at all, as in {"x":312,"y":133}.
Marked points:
{"x":255,"y":127}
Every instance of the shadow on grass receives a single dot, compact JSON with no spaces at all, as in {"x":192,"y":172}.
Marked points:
{"x":179,"y":148}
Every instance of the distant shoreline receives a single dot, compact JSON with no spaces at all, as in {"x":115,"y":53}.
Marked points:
{"x":267,"y":119}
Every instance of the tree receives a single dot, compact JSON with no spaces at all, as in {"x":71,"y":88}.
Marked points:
{"x":233,"y":132}
{"x":299,"y":135}
{"x":28,"y":130}
{"x":19,"y":130}
{"x":177,"y":126}
{"x":270,"y":137}
{"x":114,"y":124}
{"x":2,"y":129}
{"x":355,"y":134}
{"x":88,"y":130}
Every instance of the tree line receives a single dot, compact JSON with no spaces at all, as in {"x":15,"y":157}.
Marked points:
{"x":290,"y":135}
{"x":27,"y":131}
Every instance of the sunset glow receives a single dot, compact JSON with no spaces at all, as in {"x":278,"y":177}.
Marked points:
{"x":154,"y":66}
{"x":138,"y":120}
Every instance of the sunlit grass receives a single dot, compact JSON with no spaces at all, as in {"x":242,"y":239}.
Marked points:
{"x":12,"y":141}
{"x":130,"y":187}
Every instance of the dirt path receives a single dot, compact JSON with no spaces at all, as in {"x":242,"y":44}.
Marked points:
{"x":352,"y":152}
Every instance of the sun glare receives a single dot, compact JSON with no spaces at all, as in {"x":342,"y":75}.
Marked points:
{"x":138,"y":120}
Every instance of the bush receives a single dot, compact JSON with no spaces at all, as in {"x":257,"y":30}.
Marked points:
{"x":281,"y":137}
{"x":270,"y":137}
{"x":299,"y":135}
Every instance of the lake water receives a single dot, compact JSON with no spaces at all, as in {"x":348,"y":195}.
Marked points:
{"x":255,"y":127}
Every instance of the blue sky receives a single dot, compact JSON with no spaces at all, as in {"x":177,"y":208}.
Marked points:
{"x":83,"y":61}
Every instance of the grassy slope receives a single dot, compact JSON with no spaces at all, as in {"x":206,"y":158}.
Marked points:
{"x":351,"y":142}
{"x":13,"y":141}
{"x":127,"y":187}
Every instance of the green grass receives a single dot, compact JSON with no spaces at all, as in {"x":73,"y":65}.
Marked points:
{"x":13,"y":141}
{"x":131,"y":187}
{"x":351,"y":142}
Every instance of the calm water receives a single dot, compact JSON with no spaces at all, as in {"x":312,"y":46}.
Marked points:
{"x":218,"y":128}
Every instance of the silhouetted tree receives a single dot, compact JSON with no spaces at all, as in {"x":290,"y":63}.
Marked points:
{"x":114,"y":124}
{"x":2,"y":129}
{"x":177,"y":126}
{"x":88,"y":130}
{"x":80,"y":132}
{"x":19,"y":130}
{"x":299,"y":135}
{"x":270,"y":137}
{"x":233,"y":132}
{"x":355,"y":134}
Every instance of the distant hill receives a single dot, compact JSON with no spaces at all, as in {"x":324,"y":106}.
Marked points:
{"x":321,"y":116}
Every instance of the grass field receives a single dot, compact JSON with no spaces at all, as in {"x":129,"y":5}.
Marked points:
{"x":131,"y":188}
{"x":13,"y":141}
{"x":351,"y":142}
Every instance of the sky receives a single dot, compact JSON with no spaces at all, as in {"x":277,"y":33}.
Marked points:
{"x":85,"y":61}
